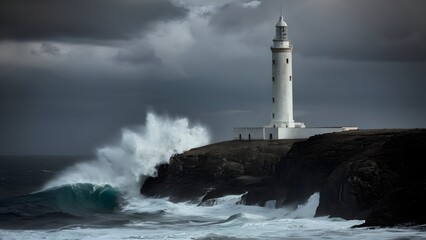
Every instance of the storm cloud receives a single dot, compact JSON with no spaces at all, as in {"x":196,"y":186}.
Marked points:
{"x":137,"y":56}
{"x":74,"y":73}
{"x":82,"y":19}
{"x":379,"y":30}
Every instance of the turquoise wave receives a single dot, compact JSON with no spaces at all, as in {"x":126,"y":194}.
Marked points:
{"x":73,"y":199}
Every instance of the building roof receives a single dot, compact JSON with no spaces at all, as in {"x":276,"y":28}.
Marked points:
{"x":281,"y":22}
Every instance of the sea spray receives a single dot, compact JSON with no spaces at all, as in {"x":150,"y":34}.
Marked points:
{"x":224,"y":209}
{"x":306,"y":210}
{"x":126,"y":165}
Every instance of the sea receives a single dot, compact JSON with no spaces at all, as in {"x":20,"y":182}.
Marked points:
{"x":98,"y":197}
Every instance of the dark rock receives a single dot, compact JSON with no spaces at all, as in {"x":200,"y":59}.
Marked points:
{"x":376,"y":175}
{"x":308,"y":165}
{"x":400,"y":206}
{"x":216,"y":170}
{"x":383,"y":183}
{"x":265,"y":192}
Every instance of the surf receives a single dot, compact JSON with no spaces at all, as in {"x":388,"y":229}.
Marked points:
{"x":73,"y":199}
{"x":127,"y":164}
{"x":102,"y":185}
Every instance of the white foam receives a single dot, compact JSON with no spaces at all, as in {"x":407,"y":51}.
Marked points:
{"x":316,"y":228}
{"x":308,"y":209}
{"x":126,"y":165}
{"x":222,"y":209}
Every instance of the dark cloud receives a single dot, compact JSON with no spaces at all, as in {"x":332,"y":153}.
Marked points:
{"x":81,"y":19}
{"x":378,"y":30}
{"x":354,"y":63}
{"x":59,"y":113}
{"x":50,"y":49}
{"x":52,"y":112}
{"x":235,"y":17}
{"x":137,"y":56}
{"x":47,"y":48}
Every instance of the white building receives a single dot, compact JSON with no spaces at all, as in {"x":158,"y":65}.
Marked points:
{"x":282,"y":125}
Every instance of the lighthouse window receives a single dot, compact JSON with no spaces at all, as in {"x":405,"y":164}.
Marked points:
{"x":273,"y":99}
{"x":273,"y":115}
{"x":273,"y":79}
{"x":286,"y":60}
{"x":290,"y":78}
{"x":273,"y":62}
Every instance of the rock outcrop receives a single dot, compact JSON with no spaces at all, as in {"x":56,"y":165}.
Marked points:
{"x":359,"y":174}
{"x":216,"y":170}
{"x":376,"y":175}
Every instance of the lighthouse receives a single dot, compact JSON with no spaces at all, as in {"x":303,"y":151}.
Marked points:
{"x":282,"y":82}
{"x":282,"y":124}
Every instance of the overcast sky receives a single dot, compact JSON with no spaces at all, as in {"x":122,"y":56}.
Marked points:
{"x":73,"y":73}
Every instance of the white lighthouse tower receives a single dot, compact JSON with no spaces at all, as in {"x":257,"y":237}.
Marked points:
{"x":282,"y":82}
{"x":282,"y":125}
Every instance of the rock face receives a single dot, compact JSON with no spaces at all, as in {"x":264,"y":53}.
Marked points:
{"x":373,"y":175}
{"x":359,"y":174}
{"x":384,"y":183}
{"x":216,"y":170}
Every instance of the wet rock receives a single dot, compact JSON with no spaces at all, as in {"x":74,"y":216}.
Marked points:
{"x":216,"y":170}
{"x":376,"y":175}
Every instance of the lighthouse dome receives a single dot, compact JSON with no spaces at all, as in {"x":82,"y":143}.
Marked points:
{"x":281,"y":22}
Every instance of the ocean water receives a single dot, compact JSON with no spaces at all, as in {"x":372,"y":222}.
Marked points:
{"x":98,"y":198}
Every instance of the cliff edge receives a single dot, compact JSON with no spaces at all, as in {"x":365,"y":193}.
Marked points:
{"x":376,"y":175}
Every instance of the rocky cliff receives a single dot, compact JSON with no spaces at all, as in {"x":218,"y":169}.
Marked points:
{"x":212,"y":171}
{"x":376,"y":175}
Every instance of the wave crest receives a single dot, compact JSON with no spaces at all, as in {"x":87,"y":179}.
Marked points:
{"x":72,"y":199}
{"x":126,"y":165}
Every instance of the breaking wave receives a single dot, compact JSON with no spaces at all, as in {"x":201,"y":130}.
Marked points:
{"x":72,"y":199}
{"x":126,"y":165}
{"x":102,"y":185}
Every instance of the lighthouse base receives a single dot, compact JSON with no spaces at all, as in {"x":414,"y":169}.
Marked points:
{"x":271,"y":133}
